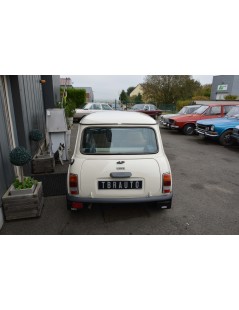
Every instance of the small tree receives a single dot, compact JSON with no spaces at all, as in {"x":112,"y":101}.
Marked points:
{"x":69,"y":106}
{"x":36,"y":136}
{"x":138,"y":98}
{"x":19,"y":157}
{"x":129,"y":90}
{"x":123,"y":97}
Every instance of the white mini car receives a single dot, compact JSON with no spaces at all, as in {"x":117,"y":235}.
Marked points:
{"x":118,"y":158}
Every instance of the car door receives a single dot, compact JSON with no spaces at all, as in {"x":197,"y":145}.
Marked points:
{"x":213,"y":112}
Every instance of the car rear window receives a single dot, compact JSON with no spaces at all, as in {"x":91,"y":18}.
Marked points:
{"x":118,"y":140}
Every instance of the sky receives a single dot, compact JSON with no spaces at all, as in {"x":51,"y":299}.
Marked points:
{"x":109,"y":87}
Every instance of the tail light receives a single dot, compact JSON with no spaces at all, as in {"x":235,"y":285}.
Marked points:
{"x":73,"y":184}
{"x":167,"y":183}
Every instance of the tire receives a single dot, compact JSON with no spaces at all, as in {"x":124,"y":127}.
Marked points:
{"x":225,"y":139}
{"x":188,"y":129}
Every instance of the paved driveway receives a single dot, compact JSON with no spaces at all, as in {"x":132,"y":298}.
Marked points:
{"x":206,"y":196}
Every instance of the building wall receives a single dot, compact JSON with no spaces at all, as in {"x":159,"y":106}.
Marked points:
{"x":65,"y":82}
{"x":230,"y":86}
{"x":25,"y":112}
{"x":6,"y":168}
{"x":28,"y":106}
{"x":51,"y":90}
{"x":235,"y":86}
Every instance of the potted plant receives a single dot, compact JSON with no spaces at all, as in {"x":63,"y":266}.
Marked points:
{"x":69,"y":107}
{"x":24,"y":197}
{"x":43,"y":161}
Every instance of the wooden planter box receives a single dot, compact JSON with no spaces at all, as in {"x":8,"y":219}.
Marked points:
{"x":43,"y":164}
{"x":18,"y":192}
{"x":23,"y":206}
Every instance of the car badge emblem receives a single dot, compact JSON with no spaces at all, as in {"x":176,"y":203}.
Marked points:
{"x":120,"y":162}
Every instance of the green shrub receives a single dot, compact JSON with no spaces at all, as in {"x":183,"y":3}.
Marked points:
{"x":76,"y":96}
{"x":19,"y":156}
{"x":181,"y":103}
{"x":230,"y":97}
{"x":28,"y":182}
{"x":36,"y":135}
{"x":69,"y":107}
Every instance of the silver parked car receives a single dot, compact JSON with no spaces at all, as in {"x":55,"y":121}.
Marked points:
{"x":164,"y":119}
{"x":89,"y":108}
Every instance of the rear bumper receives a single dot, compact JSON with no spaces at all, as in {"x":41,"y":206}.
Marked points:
{"x":174,"y":127}
{"x":163,"y":201}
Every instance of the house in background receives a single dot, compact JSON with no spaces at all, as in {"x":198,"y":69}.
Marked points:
{"x":138,"y":90}
{"x":89,"y":93}
{"x":23,"y":103}
{"x":66,"y":82}
{"x":224,"y":85}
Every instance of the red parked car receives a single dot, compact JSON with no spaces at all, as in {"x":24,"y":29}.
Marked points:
{"x":187,"y":123}
{"x":149,"y":109}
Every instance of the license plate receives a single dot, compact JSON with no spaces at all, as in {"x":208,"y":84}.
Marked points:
{"x":120,"y":184}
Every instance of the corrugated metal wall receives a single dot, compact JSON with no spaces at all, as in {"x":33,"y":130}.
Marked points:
{"x":28,"y":98}
{"x":27,"y":113}
{"x":32,"y":104}
{"x":6,"y":168}
{"x":51,"y":90}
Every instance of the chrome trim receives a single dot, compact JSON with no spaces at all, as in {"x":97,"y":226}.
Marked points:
{"x":162,"y":198}
{"x":120,"y":174}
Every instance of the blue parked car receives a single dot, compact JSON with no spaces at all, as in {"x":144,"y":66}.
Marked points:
{"x":235,"y":133}
{"x":220,"y":128}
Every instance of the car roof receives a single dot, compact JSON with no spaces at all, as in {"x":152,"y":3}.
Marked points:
{"x":218,"y":103}
{"x":193,"y":106}
{"x":117,"y":118}
{"x":97,"y":103}
{"x":143,"y":104}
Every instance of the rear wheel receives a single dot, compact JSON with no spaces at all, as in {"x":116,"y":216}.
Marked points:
{"x":189,"y":129}
{"x":226,"y":138}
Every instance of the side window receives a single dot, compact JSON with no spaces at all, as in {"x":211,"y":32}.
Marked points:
{"x":105,"y":107}
{"x":214,"y":111}
{"x":96,"y":107}
{"x":227,"y":108}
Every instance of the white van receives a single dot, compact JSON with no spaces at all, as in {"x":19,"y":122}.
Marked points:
{"x":119,"y":158}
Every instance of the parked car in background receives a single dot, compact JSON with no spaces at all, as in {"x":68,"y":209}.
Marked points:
{"x":89,"y":108}
{"x":119,"y":158}
{"x":149,"y":109}
{"x":164,"y":119}
{"x":187,"y":123}
{"x":116,"y":106}
{"x":221,"y":128}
